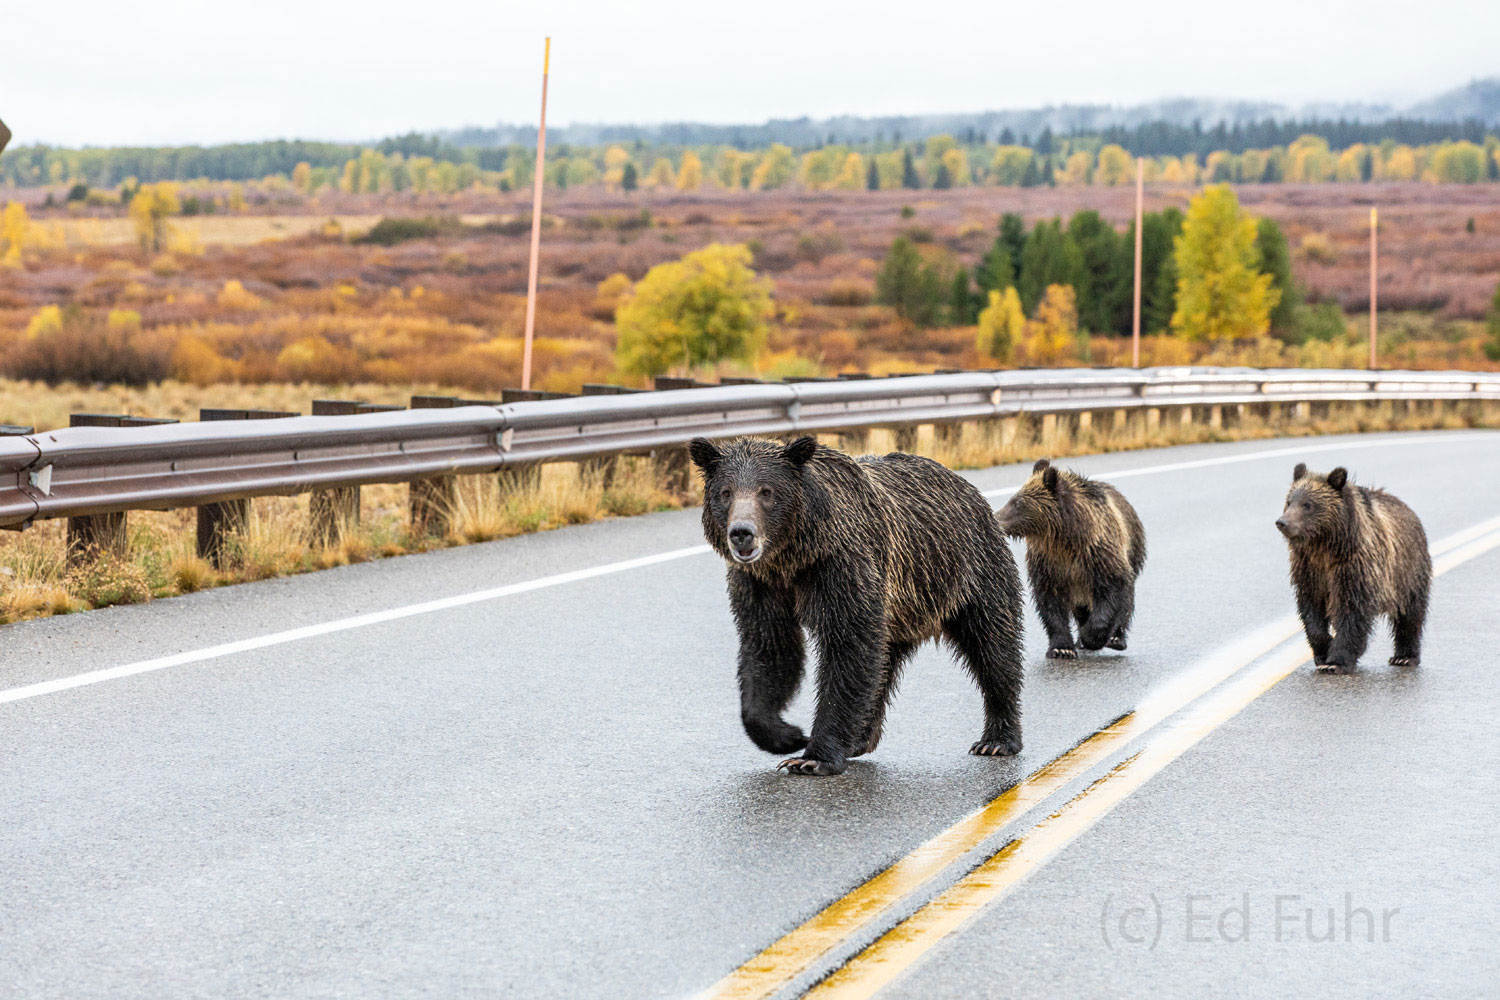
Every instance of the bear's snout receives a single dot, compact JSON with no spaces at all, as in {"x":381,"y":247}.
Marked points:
{"x":1284,"y":526}
{"x":744,"y":541}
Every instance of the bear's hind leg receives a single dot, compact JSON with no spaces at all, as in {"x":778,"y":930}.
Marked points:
{"x":1103,"y":617}
{"x":1407,"y":629}
{"x":1123,"y":617}
{"x":989,"y":643}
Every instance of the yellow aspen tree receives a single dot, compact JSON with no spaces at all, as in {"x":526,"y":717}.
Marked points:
{"x":1053,"y":326}
{"x":851,"y":175}
{"x":690,"y":174}
{"x":662,"y":175}
{"x":1115,"y":166}
{"x":1002,"y":324}
{"x":1221,"y":293}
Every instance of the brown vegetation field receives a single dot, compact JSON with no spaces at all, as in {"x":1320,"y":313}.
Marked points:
{"x":297,"y":299}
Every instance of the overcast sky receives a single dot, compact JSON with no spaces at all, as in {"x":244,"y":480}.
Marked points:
{"x":106,"y":72}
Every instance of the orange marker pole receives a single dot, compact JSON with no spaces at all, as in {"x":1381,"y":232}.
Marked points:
{"x":536,"y":222}
{"x":1140,"y":198}
{"x":1373,"y":228}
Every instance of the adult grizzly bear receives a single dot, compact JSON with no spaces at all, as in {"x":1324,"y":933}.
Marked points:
{"x":1356,"y":553}
{"x":1084,"y":548}
{"x":872,"y":556}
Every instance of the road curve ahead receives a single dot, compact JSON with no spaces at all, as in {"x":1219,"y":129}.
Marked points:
{"x":516,"y":769}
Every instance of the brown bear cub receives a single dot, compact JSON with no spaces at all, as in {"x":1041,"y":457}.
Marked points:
{"x":1084,"y":548}
{"x":872,"y":556}
{"x":1356,"y":553}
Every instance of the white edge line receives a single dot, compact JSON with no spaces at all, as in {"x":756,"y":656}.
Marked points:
{"x":339,"y":625}
{"x":573,"y":576}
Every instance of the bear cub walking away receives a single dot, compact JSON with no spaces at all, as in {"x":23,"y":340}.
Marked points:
{"x":872,"y":556}
{"x":1356,"y":553}
{"x":1084,"y":548}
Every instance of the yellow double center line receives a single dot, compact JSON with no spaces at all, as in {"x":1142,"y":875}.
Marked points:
{"x":894,"y":952}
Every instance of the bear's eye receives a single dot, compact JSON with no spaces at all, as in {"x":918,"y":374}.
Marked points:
{"x":1307,"y":505}
{"x":726,"y":493}
{"x":765,"y":494}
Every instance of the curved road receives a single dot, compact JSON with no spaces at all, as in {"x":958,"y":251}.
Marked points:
{"x":516,"y":769}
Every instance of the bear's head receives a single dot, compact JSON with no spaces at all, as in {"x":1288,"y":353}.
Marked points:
{"x":1036,"y":509}
{"x":1314,"y":505}
{"x":752,"y":494}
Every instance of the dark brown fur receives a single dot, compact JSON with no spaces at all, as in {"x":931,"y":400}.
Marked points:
{"x":872,"y":556}
{"x":1084,"y":548}
{"x":1356,"y":553}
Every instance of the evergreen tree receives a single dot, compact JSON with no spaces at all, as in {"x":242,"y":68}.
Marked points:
{"x":1050,"y":257}
{"x":1275,"y":259}
{"x":1158,"y":268}
{"x":913,"y":288}
{"x":1047,"y":179}
{"x":1032,"y":177}
{"x":1013,"y":236}
{"x":909,"y":178}
{"x":943,"y":180}
{"x":872,"y":177}
{"x":1104,"y":296}
{"x":963,"y":307}
{"x":629,"y":180}
{"x":996,"y":271}
{"x":1492,"y":324}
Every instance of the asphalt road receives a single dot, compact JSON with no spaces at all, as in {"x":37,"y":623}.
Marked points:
{"x":546,"y":792}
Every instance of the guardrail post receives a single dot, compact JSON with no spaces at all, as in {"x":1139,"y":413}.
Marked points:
{"x":856,"y":442}
{"x":218,"y":521}
{"x":431,"y":501}
{"x":906,"y":438}
{"x":101,"y":533}
{"x":330,"y":512}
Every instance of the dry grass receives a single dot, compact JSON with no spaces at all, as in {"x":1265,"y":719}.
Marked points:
{"x":36,"y":579}
{"x":35,"y":404}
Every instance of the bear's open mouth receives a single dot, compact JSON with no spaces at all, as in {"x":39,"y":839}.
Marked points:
{"x":749,"y":556}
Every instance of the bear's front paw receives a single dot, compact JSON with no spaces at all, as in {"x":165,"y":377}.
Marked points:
{"x":810,"y":766}
{"x":1062,"y":653}
{"x":1403,"y":661}
{"x":1116,"y":641}
{"x":1334,"y":665}
{"x":1007,"y":747}
{"x":775,"y":736}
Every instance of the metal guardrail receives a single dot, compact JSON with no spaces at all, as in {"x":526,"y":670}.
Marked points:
{"x":83,"y":471}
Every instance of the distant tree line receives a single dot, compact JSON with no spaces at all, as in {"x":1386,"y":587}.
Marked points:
{"x":1268,"y":152}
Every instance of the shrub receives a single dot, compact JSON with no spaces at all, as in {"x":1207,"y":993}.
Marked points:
{"x":390,"y":231}
{"x":108,"y":579}
{"x":80,"y":347}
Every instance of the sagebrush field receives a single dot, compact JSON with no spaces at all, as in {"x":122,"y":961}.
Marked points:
{"x":310,"y":296}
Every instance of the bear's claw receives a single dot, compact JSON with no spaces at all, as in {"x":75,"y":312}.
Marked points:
{"x":1116,"y":641}
{"x":996,"y":748}
{"x":1403,"y":661}
{"x":1062,"y":653}
{"x":807,"y":765}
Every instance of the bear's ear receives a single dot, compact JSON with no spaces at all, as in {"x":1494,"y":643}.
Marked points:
{"x":1338,"y":477}
{"x":1299,"y":471}
{"x":1049,"y":478}
{"x":1041,"y":465}
{"x":705,"y":455}
{"x":800,"y":450}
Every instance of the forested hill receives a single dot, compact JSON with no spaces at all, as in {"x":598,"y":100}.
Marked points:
{"x":1444,"y":116}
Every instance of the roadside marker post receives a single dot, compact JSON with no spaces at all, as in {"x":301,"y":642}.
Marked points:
{"x":536,"y":220}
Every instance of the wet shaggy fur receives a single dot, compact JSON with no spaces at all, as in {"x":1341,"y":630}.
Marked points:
{"x":872,"y":556}
{"x":1084,"y":548}
{"x":1356,"y":553}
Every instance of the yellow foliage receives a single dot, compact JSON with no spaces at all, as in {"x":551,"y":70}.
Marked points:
{"x":690,"y":174}
{"x":193,"y":360}
{"x":1221,"y":293}
{"x":1053,"y":326}
{"x":124,"y":320}
{"x":707,"y":307}
{"x":234,"y":296}
{"x":48,"y":320}
{"x":662,"y":175}
{"x":1115,"y":166}
{"x":851,"y":176}
{"x":14,"y":226}
{"x":1002,"y":324}
{"x":149,"y":209}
